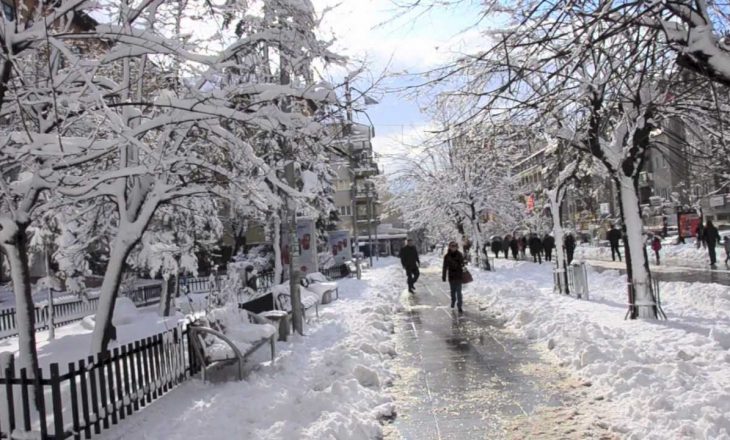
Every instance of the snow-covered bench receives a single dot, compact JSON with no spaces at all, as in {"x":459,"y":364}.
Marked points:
{"x":228,"y":336}
{"x":308,"y":298}
{"x":318,"y":283}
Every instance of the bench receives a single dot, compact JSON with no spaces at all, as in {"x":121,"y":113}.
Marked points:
{"x":318,"y":283}
{"x":308,"y":299}
{"x":228,"y":337}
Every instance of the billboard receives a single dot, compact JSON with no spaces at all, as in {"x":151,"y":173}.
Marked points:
{"x":688,"y":224}
{"x":307,"y":239}
{"x":338,"y":242}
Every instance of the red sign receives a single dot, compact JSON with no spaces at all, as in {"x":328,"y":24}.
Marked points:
{"x":688,"y":224}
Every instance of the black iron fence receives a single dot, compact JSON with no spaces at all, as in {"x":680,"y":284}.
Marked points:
{"x":64,"y":312}
{"x":336,"y":272}
{"x":89,"y":395}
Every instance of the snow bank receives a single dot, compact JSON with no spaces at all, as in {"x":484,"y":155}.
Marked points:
{"x":657,"y":380}
{"x":329,"y":384}
{"x":682,"y":255}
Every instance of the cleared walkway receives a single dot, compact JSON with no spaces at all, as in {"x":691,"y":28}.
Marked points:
{"x":464,"y":377}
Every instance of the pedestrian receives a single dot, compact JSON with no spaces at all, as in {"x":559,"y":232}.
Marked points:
{"x":614,"y":238}
{"x":569,"y":244}
{"x":726,"y":243}
{"x":496,"y":246}
{"x":711,"y":237}
{"x":523,"y":246}
{"x":514,"y":246}
{"x":548,"y":244}
{"x":700,"y":235}
{"x":505,"y":246}
{"x":535,"y":245}
{"x":453,"y":269}
{"x":656,"y":245}
{"x":410,"y":262}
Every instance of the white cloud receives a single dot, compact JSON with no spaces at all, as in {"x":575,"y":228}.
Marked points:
{"x":367,"y":29}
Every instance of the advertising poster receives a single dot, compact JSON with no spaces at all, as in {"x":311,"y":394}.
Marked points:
{"x":688,"y":224}
{"x":338,"y":243}
{"x":307,"y":238}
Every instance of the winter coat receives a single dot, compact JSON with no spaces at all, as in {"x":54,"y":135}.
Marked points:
{"x":613,"y":236}
{"x":548,"y":242}
{"x":535,"y":244}
{"x":710,"y":235}
{"x":496,"y":246}
{"x":656,"y":244}
{"x":453,"y":266}
{"x":569,"y":242}
{"x":514,"y":245}
{"x":505,"y":243}
{"x":409,"y":256}
{"x":523,"y":243}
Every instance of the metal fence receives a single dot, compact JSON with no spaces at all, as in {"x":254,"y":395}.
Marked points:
{"x":336,"y":272}
{"x":92,"y":394}
{"x":65,"y":312}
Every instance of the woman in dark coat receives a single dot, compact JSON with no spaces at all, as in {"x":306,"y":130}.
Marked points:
{"x":454,"y":269}
{"x":496,"y":246}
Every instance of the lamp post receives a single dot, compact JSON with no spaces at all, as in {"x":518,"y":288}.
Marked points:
{"x":370,"y":220}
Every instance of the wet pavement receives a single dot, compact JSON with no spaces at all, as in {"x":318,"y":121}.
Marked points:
{"x":721,"y":275}
{"x":465,"y":377}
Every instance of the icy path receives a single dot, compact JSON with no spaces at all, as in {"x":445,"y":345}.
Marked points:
{"x":464,"y":377}
{"x":329,"y":384}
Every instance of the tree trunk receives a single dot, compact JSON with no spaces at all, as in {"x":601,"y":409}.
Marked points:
{"x":277,"y":250}
{"x":104,"y":330}
{"x":17,"y":254}
{"x":636,"y":258}
{"x":555,"y":197}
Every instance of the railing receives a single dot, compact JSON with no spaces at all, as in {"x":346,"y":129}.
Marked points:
{"x":144,"y":295}
{"x":336,"y":272}
{"x":65,"y":312}
{"x":69,"y":311}
{"x":89,"y":395}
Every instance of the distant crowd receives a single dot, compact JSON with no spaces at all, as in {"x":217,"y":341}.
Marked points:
{"x":539,"y":248}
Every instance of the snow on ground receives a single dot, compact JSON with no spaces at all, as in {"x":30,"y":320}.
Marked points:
{"x":682,"y":255}
{"x":657,"y":379}
{"x":328,"y":384}
{"x":73,"y":341}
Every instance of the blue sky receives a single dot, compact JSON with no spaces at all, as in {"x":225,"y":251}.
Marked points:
{"x":413,"y":43}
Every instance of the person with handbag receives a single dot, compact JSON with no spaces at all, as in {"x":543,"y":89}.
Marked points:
{"x":453,"y":269}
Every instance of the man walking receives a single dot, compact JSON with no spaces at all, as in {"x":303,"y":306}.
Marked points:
{"x":410,"y":262}
{"x":548,"y":243}
{"x":569,"y":244}
{"x":711,"y":237}
{"x":614,"y":237}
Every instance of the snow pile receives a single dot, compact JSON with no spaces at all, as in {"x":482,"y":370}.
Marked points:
{"x":329,"y":384}
{"x":657,"y":380}
{"x":687,"y":255}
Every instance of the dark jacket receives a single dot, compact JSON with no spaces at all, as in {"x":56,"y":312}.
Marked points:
{"x":569,"y":241}
{"x":496,"y":246}
{"x":613,"y":236}
{"x":409,"y":256}
{"x":514,"y":244}
{"x":548,"y":242}
{"x":535,"y":244}
{"x":710,"y":235}
{"x":453,"y":266}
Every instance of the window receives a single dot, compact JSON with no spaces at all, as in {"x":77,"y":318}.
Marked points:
{"x":8,"y":11}
{"x":346,"y":211}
